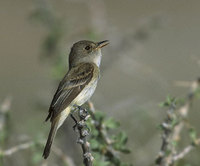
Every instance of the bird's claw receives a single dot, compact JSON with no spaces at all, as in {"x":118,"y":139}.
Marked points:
{"x":76,"y":122}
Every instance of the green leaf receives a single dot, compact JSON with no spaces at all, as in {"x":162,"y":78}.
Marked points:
{"x":100,"y":161}
{"x":120,"y":142}
{"x":94,"y":143}
{"x":111,"y":123}
{"x":94,"y":132}
{"x":162,"y":104}
{"x":125,"y":150}
{"x":193,"y":134}
{"x":99,"y":116}
{"x":159,"y":127}
{"x":168,"y":102}
{"x":122,"y":137}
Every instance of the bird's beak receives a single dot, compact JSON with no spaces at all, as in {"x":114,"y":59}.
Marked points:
{"x":102,"y":44}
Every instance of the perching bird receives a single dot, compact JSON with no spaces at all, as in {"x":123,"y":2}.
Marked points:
{"x":77,"y":86}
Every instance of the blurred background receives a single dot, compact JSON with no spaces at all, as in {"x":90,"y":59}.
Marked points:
{"x":154,"y":45}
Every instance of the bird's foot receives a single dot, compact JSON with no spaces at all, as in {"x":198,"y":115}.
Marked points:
{"x":84,"y":115}
{"x":76,"y":122}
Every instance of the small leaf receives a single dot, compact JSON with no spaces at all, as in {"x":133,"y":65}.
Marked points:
{"x":94,"y":132}
{"x":94,"y":143}
{"x":193,"y":134}
{"x":99,"y":160}
{"x":99,"y":116}
{"x":170,"y":99}
{"x":168,"y":102}
{"x":163,"y":104}
{"x":159,"y":127}
{"x":111,"y":123}
{"x":120,"y":141}
{"x":123,"y":138}
{"x":126,"y":151}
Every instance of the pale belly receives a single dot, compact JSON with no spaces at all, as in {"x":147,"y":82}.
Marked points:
{"x":84,"y":96}
{"x":86,"y":93}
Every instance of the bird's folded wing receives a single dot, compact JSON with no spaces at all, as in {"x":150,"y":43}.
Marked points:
{"x":69,"y":88}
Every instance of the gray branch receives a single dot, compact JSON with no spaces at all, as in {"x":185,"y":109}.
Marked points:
{"x":83,"y":133}
{"x":186,"y":150}
{"x":171,"y":133}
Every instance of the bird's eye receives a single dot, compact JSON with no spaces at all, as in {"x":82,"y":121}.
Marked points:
{"x":87,"y":47}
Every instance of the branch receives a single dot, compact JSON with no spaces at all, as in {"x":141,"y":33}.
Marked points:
{"x":99,"y":126}
{"x":163,"y":158}
{"x":23,"y":146}
{"x":183,"y":111}
{"x":109,"y":151}
{"x":186,"y":150}
{"x":83,"y":133}
{"x":172,"y":130}
{"x":16,"y":148}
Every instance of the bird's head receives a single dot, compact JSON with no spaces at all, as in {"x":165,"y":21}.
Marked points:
{"x":86,"y":51}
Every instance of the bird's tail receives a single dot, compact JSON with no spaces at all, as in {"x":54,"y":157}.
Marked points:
{"x":56,"y":123}
{"x":52,"y":133}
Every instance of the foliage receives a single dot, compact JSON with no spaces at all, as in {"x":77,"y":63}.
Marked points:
{"x":174,"y":124}
{"x":106,"y":140}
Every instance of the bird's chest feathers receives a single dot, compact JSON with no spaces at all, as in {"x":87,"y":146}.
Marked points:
{"x":86,"y":93}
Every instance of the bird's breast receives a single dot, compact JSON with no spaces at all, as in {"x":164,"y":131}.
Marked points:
{"x":86,"y":93}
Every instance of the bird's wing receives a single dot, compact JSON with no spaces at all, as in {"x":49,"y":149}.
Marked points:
{"x":71,"y":85}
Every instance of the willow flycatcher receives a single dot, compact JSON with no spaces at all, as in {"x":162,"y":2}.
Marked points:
{"x":77,"y":86}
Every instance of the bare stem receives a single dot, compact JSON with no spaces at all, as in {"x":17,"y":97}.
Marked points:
{"x":16,"y":148}
{"x":163,"y":159}
{"x":23,"y":146}
{"x":83,"y":133}
{"x":186,"y":150}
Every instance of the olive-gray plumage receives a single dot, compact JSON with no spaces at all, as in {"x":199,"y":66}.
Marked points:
{"x":77,"y":86}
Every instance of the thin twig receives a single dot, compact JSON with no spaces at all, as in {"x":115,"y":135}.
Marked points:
{"x":163,"y":159}
{"x":99,"y":126}
{"x":183,"y":111}
{"x":186,"y":150}
{"x":83,"y":133}
{"x":23,"y":146}
{"x":16,"y":148}
{"x":168,"y":153}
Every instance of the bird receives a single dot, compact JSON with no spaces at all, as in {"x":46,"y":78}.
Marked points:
{"x":77,"y":86}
